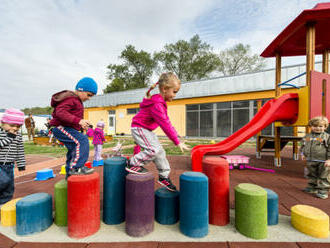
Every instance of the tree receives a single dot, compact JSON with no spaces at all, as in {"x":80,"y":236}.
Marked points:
{"x":237,"y":60}
{"x":135,"y":72}
{"x":189,"y":60}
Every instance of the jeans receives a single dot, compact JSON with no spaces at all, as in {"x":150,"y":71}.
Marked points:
{"x":77,"y":145}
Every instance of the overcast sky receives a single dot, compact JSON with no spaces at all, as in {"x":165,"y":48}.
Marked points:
{"x":48,"y":45}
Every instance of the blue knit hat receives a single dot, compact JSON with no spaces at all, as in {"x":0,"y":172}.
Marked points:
{"x":87,"y":84}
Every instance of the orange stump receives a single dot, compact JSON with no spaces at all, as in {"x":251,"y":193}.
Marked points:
{"x":217,"y":170}
{"x":83,"y":205}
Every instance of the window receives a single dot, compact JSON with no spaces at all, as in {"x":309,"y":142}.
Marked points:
{"x":132,"y":111}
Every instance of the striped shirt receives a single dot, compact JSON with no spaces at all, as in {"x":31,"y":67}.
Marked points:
{"x":11,"y":149}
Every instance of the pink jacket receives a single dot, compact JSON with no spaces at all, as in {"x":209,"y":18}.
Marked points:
{"x":152,"y":114}
{"x":98,"y":135}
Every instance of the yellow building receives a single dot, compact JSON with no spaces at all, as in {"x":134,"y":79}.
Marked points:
{"x":214,"y":107}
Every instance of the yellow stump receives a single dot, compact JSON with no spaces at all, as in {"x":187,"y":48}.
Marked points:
{"x":63,"y":171}
{"x":309,"y":220}
{"x":8,"y":213}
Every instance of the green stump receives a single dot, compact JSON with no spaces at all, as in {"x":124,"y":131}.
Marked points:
{"x":61,"y":203}
{"x":251,"y":210}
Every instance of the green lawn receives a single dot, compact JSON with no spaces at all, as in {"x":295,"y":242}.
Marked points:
{"x":170,"y":148}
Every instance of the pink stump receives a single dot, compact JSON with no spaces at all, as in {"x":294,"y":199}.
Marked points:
{"x":217,"y":170}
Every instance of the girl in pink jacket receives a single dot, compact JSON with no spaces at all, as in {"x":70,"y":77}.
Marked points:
{"x":152,"y":114}
{"x":98,"y":139}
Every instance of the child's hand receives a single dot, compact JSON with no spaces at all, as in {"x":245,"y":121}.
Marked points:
{"x":183,"y":147}
{"x":84,"y":124}
{"x":327,"y":163}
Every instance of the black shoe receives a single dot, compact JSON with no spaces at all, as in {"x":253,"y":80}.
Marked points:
{"x":136,"y":169}
{"x":166,"y":182}
{"x":81,"y":171}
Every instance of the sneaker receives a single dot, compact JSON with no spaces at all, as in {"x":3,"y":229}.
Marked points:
{"x":81,"y":171}
{"x":136,"y":169}
{"x":321,"y":195}
{"x":167,"y":183}
{"x":310,"y":190}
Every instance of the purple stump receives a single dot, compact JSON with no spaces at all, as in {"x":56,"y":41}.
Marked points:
{"x":140,"y":204}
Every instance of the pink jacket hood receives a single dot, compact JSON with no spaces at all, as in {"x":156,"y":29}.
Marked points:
{"x":152,"y":114}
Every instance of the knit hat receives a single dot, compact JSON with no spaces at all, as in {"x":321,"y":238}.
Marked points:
{"x":100,"y":124}
{"x":87,"y":84}
{"x":13,"y":116}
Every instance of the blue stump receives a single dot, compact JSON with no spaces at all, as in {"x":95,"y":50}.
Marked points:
{"x":34,"y":213}
{"x":166,"y":206}
{"x":272,"y":207}
{"x":194,"y":207}
{"x":114,"y":178}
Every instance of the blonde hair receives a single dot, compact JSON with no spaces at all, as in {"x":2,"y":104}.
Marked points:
{"x":318,"y":120}
{"x":165,"y":80}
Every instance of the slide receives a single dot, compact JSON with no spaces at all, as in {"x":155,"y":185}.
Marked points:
{"x":284,"y":109}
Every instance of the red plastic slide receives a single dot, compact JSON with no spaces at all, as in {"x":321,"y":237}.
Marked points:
{"x":284,"y":109}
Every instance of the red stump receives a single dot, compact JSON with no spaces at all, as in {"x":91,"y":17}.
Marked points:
{"x":217,"y":170}
{"x":83,"y":205}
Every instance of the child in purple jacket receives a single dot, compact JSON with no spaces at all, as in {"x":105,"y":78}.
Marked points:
{"x":98,"y":140}
{"x":152,"y":114}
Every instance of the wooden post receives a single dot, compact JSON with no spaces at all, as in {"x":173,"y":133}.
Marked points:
{"x":277,"y":131}
{"x":310,"y":51}
{"x":310,"y":58}
{"x":295,"y":144}
{"x":325,"y":61}
{"x":258,"y":145}
{"x":325,"y":69}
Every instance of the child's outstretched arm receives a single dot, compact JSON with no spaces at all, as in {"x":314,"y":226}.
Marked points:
{"x":20,"y":157}
{"x":183,"y":147}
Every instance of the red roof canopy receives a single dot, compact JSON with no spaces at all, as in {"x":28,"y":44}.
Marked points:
{"x":292,"y":40}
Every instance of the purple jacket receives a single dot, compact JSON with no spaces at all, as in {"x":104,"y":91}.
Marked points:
{"x":98,"y":135}
{"x":153,"y":113}
{"x":68,"y":110}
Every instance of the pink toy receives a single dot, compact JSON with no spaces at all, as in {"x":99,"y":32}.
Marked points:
{"x":242,"y":162}
{"x":236,"y":161}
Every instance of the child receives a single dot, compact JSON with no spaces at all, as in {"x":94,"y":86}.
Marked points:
{"x":316,"y":150}
{"x":68,"y":122}
{"x":153,"y":113}
{"x":98,"y":139}
{"x":11,"y":151}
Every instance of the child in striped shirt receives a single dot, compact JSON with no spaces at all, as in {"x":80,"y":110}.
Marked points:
{"x":11,"y":151}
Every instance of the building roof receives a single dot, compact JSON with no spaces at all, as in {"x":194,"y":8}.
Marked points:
{"x":249,"y":82}
{"x":292,"y":40}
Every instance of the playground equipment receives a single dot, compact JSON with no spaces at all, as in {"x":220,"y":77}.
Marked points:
{"x":306,"y":35}
{"x":309,"y":220}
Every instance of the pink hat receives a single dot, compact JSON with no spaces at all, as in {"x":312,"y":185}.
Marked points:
{"x":13,"y":116}
{"x":100,"y":124}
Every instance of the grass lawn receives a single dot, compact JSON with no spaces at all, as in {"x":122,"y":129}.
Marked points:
{"x":170,"y":148}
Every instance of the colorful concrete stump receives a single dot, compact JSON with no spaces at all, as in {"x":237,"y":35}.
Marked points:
{"x":34,"y":214}
{"x":8,"y":213}
{"x":140,"y":204}
{"x":272,"y":207}
{"x":217,"y":171}
{"x":114,"y":179}
{"x":309,"y":220}
{"x":83,"y":205}
{"x":61,"y":203}
{"x":194,"y":208}
{"x":166,"y":206}
{"x":251,"y":210}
